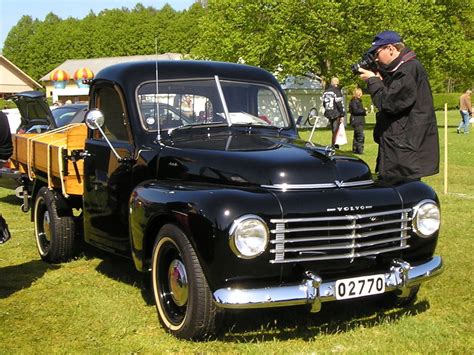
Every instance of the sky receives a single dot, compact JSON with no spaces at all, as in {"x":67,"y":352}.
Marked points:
{"x":12,"y":10}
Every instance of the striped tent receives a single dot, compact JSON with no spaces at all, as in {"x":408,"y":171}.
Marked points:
{"x":60,"y":78}
{"x":83,"y":74}
{"x":59,"y":75}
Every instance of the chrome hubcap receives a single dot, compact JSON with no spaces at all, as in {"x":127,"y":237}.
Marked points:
{"x":46,"y":227}
{"x":178,"y":282}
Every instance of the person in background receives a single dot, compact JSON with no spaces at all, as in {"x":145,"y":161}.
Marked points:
{"x":465,"y":108}
{"x":6,"y":147}
{"x":6,"y":150}
{"x":406,"y":129}
{"x":333,"y":107}
{"x":357,"y":120}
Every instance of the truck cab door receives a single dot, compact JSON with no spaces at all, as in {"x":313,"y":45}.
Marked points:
{"x":107,"y":178}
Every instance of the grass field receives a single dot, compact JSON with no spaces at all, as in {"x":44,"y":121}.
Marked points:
{"x":95,"y":304}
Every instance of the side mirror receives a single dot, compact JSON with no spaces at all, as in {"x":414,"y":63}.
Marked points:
{"x":94,"y":118}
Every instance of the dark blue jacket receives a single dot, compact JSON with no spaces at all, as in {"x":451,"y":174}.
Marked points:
{"x":6,"y":148}
{"x":406,"y":128}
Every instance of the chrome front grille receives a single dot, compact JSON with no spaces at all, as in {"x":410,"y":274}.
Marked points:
{"x":339,"y":237}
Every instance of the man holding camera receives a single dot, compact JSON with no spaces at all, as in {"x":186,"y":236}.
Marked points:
{"x":406,"y":128}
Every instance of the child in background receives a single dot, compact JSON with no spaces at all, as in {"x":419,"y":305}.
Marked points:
{"x":357,"y":120}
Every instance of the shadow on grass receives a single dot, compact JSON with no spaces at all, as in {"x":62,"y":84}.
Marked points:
{"x":298,"y":322}
{"x":17,"y":277}
{"x":11,"y":200}
{"x":273,"y":323}
{"x":122,"y":270}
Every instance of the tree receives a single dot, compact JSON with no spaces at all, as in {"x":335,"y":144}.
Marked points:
{"x":18,"y":48}
{"x":326,"y":36}
{"x":286,"y":37}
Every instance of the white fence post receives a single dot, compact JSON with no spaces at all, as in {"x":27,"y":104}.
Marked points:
{"x":445,"y":148}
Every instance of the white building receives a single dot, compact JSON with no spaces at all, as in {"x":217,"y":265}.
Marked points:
{"x":75,"y":93}
{"x":13,"y":79}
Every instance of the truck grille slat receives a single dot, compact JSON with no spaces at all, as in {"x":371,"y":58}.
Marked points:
{"x":340,"y":237}
{"x":341,"y":245}
{"x":320,"y":238}
{"x":347,"y":226}
{"x":340,"y":256}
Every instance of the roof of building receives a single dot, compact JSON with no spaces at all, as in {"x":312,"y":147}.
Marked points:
{"x":18,"y":73}
{"x":302,"y":82}
{"x":97,"y":64}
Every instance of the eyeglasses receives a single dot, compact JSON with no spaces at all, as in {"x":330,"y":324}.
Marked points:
{"x":379,"y":50}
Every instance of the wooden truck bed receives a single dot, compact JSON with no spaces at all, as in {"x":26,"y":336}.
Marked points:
{"x":47,"y":156}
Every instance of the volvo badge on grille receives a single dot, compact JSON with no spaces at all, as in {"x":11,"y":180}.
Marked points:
{"x":349,"y":208}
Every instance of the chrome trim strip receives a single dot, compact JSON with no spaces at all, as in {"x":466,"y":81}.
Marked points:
{"x":357,"y":183}
{"x":342,"y":245}
{"x":348,"y":226}
{"x":329,"y":185}
{"x":348,"y":217}
{"x":351,"y":255}
{"x":340,"y":237}
{"x":311,"y":290}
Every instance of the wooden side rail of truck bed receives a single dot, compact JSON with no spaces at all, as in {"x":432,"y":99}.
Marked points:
{"x":51,"y":156}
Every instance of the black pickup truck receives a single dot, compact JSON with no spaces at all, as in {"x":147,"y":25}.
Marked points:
{"x":195,"y":171}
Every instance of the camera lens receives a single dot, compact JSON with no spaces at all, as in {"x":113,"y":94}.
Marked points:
{"x":355,"y":68}
{"x":367,"y":62}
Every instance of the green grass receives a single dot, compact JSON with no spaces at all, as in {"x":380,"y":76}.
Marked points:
{"x":95,"y":304}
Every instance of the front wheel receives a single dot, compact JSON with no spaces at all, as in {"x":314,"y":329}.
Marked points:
{"x":183,"y":299}
{"x":54,"y":229}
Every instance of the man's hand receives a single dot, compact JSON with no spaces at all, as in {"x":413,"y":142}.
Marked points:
{"x":366,"y":74}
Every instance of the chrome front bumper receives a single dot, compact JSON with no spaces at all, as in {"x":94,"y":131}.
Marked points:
{"x":312,"y":290}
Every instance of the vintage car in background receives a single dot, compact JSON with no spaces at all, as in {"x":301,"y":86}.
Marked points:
{"x":201,"y":178}
{"x":36,"y":116}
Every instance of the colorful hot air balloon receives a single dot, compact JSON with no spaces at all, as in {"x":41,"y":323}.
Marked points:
{"x":83,"y":74}
{"x":60,"y":78}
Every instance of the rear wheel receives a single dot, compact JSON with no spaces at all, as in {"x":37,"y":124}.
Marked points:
{"x":183,"y":298}
{"x":54,"y":229}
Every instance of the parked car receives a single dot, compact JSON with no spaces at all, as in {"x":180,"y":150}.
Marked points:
{"x":37,"y":117}
{"x":14,"y":118}
{"x":70,"y":113}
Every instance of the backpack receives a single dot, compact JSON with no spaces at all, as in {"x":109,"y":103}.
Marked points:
{"x":329,"y":103}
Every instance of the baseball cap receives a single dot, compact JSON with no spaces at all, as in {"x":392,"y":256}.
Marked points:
{"x":384,"y":38}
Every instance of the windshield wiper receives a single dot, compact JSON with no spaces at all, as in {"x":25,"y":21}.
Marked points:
{"x":194,"y":125}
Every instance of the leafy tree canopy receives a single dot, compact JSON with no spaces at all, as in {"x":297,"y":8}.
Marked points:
{"x":286,"y":37}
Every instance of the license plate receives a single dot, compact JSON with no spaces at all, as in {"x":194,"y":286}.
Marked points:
{"x":360,"y":286}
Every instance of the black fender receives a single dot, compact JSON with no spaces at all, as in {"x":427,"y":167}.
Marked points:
{"x":411,"y":194}
{"x":205,"y":213}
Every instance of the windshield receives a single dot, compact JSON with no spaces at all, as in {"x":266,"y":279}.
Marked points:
{"x":63,"y":115}
{"x":199,"y":102}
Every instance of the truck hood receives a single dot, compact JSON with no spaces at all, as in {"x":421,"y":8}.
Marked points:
{"x":34,"y":109}
{"x":251,"y":159}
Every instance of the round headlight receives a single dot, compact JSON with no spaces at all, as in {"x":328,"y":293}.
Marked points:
{"x":248,"y":236}
{"x":427,"y":218}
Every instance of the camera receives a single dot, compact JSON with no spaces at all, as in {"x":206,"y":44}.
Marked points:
{"x":367,"y":62}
